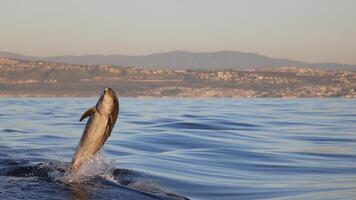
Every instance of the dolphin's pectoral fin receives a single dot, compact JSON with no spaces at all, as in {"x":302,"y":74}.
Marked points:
{"x":87,"y":113}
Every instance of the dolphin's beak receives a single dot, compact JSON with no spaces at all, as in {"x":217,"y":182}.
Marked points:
{"x":106,"y":90}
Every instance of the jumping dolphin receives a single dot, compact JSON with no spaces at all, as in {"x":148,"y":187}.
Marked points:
{"x":101,"y":121}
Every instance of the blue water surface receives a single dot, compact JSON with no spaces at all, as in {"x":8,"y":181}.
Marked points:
{"x":198,"y":148}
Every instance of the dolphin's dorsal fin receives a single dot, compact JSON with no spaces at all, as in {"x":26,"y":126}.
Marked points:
{"x":87,"y":113}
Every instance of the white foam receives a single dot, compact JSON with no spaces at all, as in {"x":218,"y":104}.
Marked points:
{"x":98,"y":165}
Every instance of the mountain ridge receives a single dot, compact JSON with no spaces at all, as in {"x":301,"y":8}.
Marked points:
{"x":180,"y":59}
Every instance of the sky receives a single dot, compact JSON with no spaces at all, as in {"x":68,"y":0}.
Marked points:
{"x":304,"y":30}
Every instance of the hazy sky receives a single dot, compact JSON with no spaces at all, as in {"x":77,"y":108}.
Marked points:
{"x":306,"y":30}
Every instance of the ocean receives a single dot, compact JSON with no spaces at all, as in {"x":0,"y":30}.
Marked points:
{"x":218,"y":149}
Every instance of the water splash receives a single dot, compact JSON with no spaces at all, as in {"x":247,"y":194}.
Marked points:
{"x":98,"y":165}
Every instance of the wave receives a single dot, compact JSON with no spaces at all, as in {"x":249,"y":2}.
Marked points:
{"x":98,"y":173}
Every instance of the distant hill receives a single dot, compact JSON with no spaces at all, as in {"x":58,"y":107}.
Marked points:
{"x":185,"y":60}
{"x":40,"y":78}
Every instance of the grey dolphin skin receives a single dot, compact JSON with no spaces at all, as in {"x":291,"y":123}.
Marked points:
{"x":102,"y":119}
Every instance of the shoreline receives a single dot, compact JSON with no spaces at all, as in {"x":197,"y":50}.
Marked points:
{"x":41,"y":79}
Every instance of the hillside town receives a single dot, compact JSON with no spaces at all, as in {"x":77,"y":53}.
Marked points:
{"x":20,"y":78}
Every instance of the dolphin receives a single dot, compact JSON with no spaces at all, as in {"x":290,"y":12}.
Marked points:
{"x":102,"y":119}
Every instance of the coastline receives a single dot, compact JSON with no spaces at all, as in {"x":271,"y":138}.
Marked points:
{"x":45,"y":79}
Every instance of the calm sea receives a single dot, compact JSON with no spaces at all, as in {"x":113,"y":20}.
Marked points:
{"x":175,"y":148}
